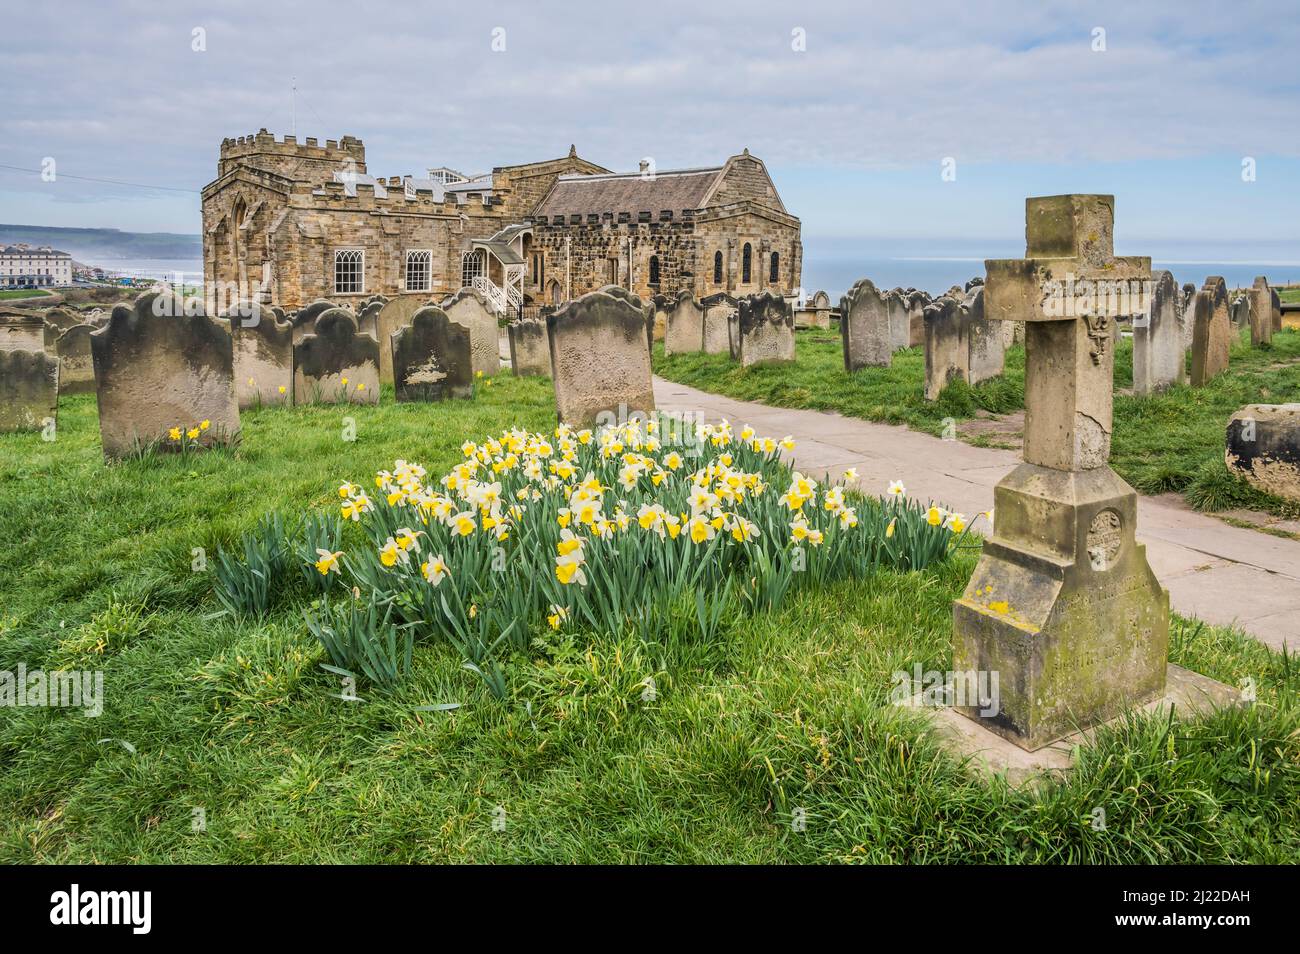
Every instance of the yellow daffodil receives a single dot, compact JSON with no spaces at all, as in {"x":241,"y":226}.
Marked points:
{"x":889,"y":530}
{"x":934,"y":516}
{"x":174,"y":433}
{"x":328,"y":562}
{"x":851,"y":475}
{"x":896,"y":489}
{"x":205,"y":425}
{"x":557,"y":616}
{"x":434,"y":569}
{"x":192,"y":433}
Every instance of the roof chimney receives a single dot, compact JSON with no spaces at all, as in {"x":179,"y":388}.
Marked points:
{"x":645,"y":164}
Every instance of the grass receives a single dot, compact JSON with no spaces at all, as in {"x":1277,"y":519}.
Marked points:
{"x":10,"y":294}
{"x":1170,"y":442}
{"x":609,"y":749}
{"x":1289,"y":294}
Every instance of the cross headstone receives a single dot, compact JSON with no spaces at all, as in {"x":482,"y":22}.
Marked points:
{"x":1063,"y":605}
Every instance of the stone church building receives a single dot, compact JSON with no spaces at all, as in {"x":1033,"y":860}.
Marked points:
{"x":302,"y":221}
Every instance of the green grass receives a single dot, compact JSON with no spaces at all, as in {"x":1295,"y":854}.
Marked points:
{"x":1289,"y":294}
{"x":9,"y":294}
{"x":779,"y":712}
{"x":1171,"y":442}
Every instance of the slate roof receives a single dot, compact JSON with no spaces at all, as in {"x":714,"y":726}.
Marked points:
{"x":631,"y":192}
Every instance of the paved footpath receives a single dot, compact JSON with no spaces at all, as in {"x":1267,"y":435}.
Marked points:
{"x":1219,"y":573}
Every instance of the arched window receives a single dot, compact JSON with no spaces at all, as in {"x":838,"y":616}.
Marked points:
{"x":775,"y":274}
{"x":717,"y":268}
{"x":472,"y":264}
{"x":746,"y":261}
{"x":349,"y":271}
{"x":654,"y":269}
{"x":418,"y":270}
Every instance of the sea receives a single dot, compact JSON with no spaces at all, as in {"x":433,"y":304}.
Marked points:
{"x":933,"y":265}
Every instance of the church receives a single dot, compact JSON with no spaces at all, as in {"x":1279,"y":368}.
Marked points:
{"x":287,"y":223}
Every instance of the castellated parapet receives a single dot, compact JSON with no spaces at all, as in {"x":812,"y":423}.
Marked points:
{"x":292,"y":159}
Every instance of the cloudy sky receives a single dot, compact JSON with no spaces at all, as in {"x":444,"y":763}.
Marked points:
{"x":854,"y":106}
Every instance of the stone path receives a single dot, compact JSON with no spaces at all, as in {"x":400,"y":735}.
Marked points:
{"x":1219,"y":573}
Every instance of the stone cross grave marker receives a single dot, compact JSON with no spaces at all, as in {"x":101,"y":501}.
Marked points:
{"x":1063,"y":605}
{"x":432,"y":358}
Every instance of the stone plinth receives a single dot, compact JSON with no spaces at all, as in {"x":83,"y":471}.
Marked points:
{"x":1263,"y":446}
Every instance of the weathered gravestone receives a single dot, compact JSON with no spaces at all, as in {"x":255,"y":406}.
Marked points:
{"x":733,"y":332}
{"x":916,"y":303}
{"x":263,"y":355}
{"x":530,"y":347}
{"x":304,"y":319}
{"x":158,"y":368}
{"x":599,"y":360}
{"x":1277,"y":310}
{"x":368,"y":319}
{"x":900,"y":323}
{"x":815,"y":312}
{"x":336,"y":363}
{"x":1211,"y":332}
{"x":1261,"y":312}
{"x":76,"y":366}
{"x":987,"y":345}
{"x":432,"y":358}
{"x":1187,"y":314}
{"x":1263,"y":446}
{"x":766,"y":328}
{"x":662,"y":305}
{"x":647,"y":311}
{"x":469,"y":309}
{"x":29,"y":389}
{"x":947,"y":348}
{"x":62,"y":318}
{"x":864,"y":327}
{"x":684,"y":331}
{"x":395,"y":313}
{"x":1159,"y":356}
{"x":718,"y":310}
{"x":1063,"y":605}
{"x":22,"y":332}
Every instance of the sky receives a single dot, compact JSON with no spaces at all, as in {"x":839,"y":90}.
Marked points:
{"x":910,"y":121}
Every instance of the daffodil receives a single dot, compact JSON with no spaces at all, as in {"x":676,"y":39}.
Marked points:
{"x":956,"y":522}
{"x":174,"y":433}
{"x":557,"y":616}
{"x":463,"y":523}
{"x":328,"y":562}
{"x":205,"y":425}
{"x":889,"y":530}
{"x":934,"y":516}
{"x":851,"y":475}
{"x":896,"y":489}
{"x":434,"y":569}
{"x":192,"y":433}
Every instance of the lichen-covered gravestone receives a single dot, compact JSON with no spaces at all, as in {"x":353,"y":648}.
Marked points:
{"x":661,"y":305}
{"x":158,"y":368}
{"x":1211,"y":332}
{"x":718,"y":310}
{"x":1260,"y":299}
{"x":1263,"y":446}
{"x":1063,"y":606}
{"x":916,"y":302}
{"x":530,"y":347}
{"x":864,"y":327}
{"x":432,"y":358}
{"x":22,"y":332}
{"x":984,"y":339}
{"x":76,"y":366}
{"x":368,"y":318}
{"x":766,"y":327}
{"x":947,"y":348}
{"x":469,"y":309}
{"x":1159,"y":356}
{"x":336,"y":363}
{"x":684,"y":330}
{"x":29,"y":389}
{"x":900,"y":325}
{"x":395,"y":313}
{"x":263,"y":346}
{"x":599,"y":359}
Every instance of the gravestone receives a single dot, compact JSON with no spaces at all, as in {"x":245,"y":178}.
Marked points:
{"x":433,"y":358}
{"x":76,"y":366}
{"x":1187,"y":314}
{"x":684,"y":331}
{"x":1277,"y":310}
{"x":1261,"y":312}
{"x":646,"y":308}
{"x":766,"y":329}
{"x":1062,"y":604}
{"x":394,"y":314}
{"x":916,"y":302}
{"x":718,"y":310}
{"x":62,"y":319}
{"x":336,"y":363}
{"x":1211,"y":332}
{"x":733,"y":332}
{"x":815,"y":312}
{"x":22,"y":332}
{"x":530,"y":347}
{"x":599,"y":360}
{"x":1159,"y":356}
{"x":469,"y":309}
{"x":29,"y":389}
{"x":156,"y":368}
{"x":947,"y":348}
{"x":900,"y":323}
{"x":1263,"y":446}
{"x":368,"y":318}
{"x":987,"y":346}
{"x":864,"y":327}
{"x":304,"y":319}
{"x":263,"y":354}
{"x":662,"y":305}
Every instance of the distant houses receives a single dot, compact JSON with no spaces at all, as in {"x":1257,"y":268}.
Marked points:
{"x":24,"y":266}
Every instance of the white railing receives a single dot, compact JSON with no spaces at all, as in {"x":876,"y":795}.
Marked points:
{"x":489,"y":290}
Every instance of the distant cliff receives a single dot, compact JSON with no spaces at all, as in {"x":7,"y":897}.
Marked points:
{"x":102,"y":245}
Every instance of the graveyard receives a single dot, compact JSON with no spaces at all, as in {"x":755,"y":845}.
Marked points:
{"x":494,"y":579}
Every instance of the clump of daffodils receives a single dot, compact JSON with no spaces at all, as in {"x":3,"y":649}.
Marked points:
{"x":616,"y":526}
